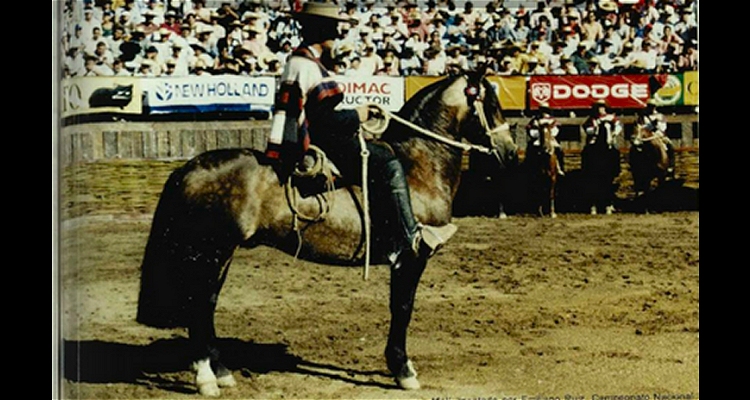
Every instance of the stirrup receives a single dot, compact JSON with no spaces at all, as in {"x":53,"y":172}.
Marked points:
{"x":431,"y":238}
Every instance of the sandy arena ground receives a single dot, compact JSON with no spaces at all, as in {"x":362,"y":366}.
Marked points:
{"x":580,"y":306}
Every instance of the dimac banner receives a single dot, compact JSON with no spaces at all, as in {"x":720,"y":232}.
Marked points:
{"x":385,"y":91}
{"x":581,"y":91}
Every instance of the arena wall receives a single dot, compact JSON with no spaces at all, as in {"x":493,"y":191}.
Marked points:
{"x":175,"y":140}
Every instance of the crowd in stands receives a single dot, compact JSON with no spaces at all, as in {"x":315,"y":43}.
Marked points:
{"x":433,"y":37}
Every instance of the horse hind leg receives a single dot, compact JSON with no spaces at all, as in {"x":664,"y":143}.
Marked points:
{"x":206,"y":280}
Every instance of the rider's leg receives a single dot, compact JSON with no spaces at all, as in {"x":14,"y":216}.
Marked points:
{"x":410,"y":234}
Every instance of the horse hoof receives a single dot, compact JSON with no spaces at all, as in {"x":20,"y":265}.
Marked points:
{"x":593,"y":210}
{"x":553,"y":215}
{"x":410,"y":383}
{"x":610,"y":210}
{"x":209,"y":389}
{"x":226,"y":381}
{"x":205,"y":379}
{"x":503,"y":216}
{"x":407,"y":378}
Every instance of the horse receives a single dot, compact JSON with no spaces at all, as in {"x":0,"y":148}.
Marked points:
{"x":600,"y":166}
{"x":225,"y":199}
{"x":648,"y":159}
{"x":488,"y":182}
{"x":542,"y":166}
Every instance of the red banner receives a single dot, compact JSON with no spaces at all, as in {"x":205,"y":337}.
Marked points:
{"x":580,"y":91}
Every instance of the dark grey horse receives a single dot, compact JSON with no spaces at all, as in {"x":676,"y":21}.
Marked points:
{"x":225,"y":199}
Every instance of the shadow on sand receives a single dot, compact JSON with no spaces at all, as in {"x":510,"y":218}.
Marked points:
{"x":108,"y":362}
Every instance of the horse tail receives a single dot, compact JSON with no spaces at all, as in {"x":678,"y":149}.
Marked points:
{"x":162,"y":301}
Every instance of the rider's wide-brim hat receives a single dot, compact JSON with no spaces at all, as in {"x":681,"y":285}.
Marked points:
{"x":321,"y":12}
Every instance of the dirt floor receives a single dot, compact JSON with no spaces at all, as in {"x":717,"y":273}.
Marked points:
{"x":593,"y":307}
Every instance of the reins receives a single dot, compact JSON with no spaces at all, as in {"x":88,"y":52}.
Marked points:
{"x":379,"y":128}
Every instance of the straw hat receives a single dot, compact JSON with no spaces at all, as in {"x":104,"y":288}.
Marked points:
{"x":324,"y":11}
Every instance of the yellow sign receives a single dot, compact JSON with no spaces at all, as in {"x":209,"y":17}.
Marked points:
{"x":511,"y":90}
{"x":690,"y":83}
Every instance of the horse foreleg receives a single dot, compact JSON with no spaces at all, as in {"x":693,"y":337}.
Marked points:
{"x":403,"y":287}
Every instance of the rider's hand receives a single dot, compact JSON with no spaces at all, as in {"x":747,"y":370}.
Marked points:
{"x":363,"y":112}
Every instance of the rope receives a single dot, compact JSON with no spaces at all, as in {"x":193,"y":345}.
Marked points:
{"x":377,"y":130}
{"x":365,"y":153}
{"x":292,"y":194}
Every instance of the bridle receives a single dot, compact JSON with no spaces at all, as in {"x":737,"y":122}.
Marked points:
{"x":475,"y":99}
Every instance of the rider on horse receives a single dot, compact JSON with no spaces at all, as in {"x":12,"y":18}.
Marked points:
{"x":601,"y":116}
{"x":305,"y":112}
{"x":535,"y":129}
{"x":654,"y":121}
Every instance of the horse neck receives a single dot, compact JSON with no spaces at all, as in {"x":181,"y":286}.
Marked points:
{"x":432,"y":168}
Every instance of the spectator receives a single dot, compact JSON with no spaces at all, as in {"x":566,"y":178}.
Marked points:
{"x":156,"y":66}
{"x":89,"y":23}
{"x":580,"y":59}
{"x":74,"y":62}
{"x":180,"y":60}
{"x":434,"y":62}
{"x":591,"y":29}
{"x":93,"y":67}
{"x":116,"y":40}
{"x":200,"y":57}
{"x":93,"y":41}
{"x":371,"y":61}
{"x":107,"y":23}
{"x":522,"y":31}
{"x":688,"y":61}
{"x":410,"y":62}
{"x":456,"y":58}
{"x":657,"y":35}
{"x":355,"y":67}
{"x":103,"y":55}
{"x":171,"y":23}
{"x":148,"y":25}
{"x":118,"y":68}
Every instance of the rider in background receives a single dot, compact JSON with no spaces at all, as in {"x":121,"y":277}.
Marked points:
{"x":535,"y":131}
{"x":655,"y":122}
{"x":601,"y":116}
{"x":306,"y":112}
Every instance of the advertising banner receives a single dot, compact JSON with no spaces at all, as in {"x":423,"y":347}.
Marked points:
{"x":209,"y":93}
{"x":671,"y":91}
{"x":89,"y":95}
{"x":385,"y":91}
{"x":690,"y":88}
{"x":580,"y":91}
{"x":511,"y":90}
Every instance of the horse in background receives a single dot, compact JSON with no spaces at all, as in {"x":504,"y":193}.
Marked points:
{"x":600,"y":165}
{"x":225,"y":199}
{"x":649,"y":161}
{"x":542,"y":168}
{"x":489,"y":180}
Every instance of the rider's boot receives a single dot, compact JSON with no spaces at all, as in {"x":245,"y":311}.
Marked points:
{"x":416,"y":239}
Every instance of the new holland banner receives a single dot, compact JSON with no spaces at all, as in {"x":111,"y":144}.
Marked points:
{"x":209,"y":94}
